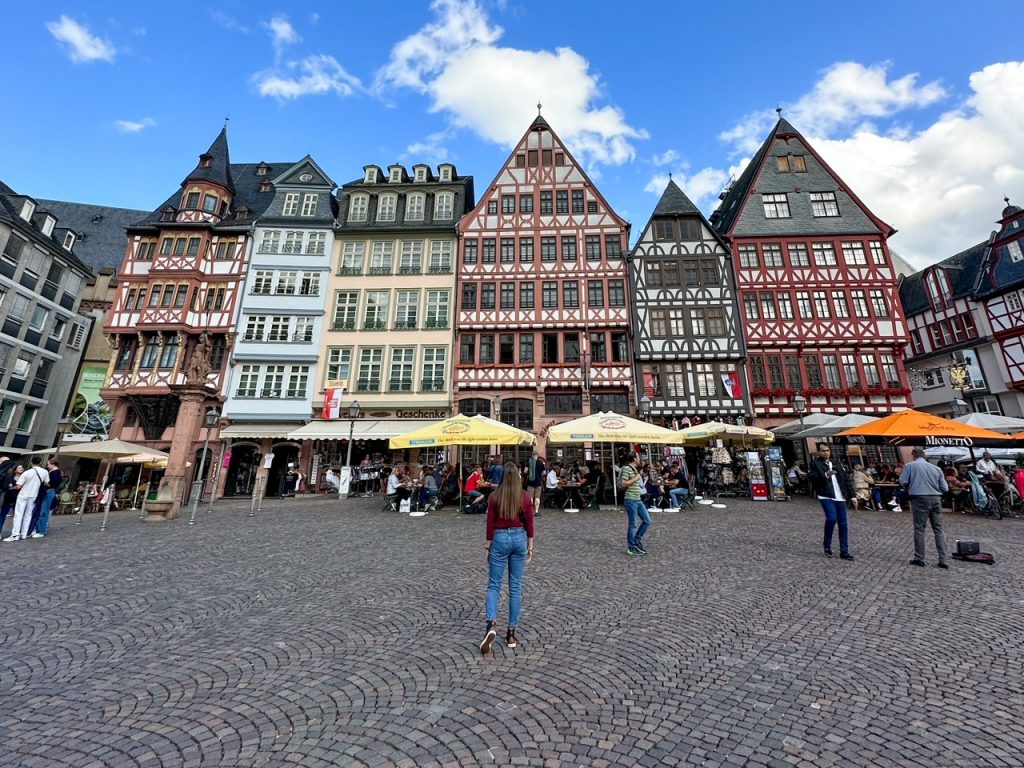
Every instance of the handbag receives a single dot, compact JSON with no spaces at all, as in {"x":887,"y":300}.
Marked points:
{"x":405,"y":507}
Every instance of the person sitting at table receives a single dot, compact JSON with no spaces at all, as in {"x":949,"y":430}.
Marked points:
{"x":399,"y":484}
{"x":331,"y":480}
{"x":429,"y":490}
{"x":959,"y":490}
{"x":988,"y":469}
{"x":494,"y":473}
{"x":796,"y":478}
{"x":552,"y":488}
{"x":681,"y":489}
{"x":476,"y":489}
{"x":862,"y":487}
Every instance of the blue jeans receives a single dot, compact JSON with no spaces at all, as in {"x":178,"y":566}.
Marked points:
{"x":635,"y":508}
{"x":44,"y":515}
{"x":835,"y":511}
{"x":676,"y":495}
{"x":508,"y":550}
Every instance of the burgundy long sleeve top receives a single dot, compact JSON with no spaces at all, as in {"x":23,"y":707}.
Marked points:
{"x":524,"y":520}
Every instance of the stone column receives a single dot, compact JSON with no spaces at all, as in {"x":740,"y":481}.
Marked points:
{"x":187,"y":429}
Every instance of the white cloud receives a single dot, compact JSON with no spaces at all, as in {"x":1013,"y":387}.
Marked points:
{"x":701,"y":187}
{"x":134,"y":126}
{"x":282,"y":33}
{"x":668,"y":157}
{"x":228,"y":22}
{"x":314,"y":75}
{"x":941,"y":185}
{"x":491,"y":90}
{"x":81,"y":44}
{"x":431,"y":150}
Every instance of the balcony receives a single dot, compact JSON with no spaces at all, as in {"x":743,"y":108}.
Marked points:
{"x":368,"y":385}
{"x":351,"y":270}
{"x":439,"y":323}
{"x":344,"y":325}
{"x":400,"y":385}
{"x":440,"y":269}
{"x":295,"y":393}
{"x":374,"y":325}
{"x":268,"y":248}
{"x":432,"y":385}
{"x":271,"y":393}
{"x":291,"y":248}
{"x":380,"y":271}
{"x":405,"y":325}
{"x":415,"y":269}
{"x":252,"y":337}
{"x":305,"y":337}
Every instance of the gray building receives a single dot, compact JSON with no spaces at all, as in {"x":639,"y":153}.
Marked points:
{"x":42,"y":336}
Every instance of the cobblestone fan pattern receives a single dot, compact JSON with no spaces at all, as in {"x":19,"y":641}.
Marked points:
{"x":325,"y":633}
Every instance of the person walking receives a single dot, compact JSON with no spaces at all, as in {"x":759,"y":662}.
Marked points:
{"x":925,"y":485}
{"x":535,"y":480}
{"x":509,"y":547}
{"x":29,"y":484}
{"x":10,"y":494}
{"x":632,"y":492}
{"x":832,"y":487}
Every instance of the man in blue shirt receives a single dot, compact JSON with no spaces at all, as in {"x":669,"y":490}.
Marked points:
{"x":495,"y":472}
{"x":925,"y":485}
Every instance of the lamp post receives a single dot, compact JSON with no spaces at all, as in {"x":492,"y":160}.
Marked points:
{"x":63,"y":427}
{"x":799,"y":403}
{"x":353,"y":413}
{"x":210,"y":421}
{"x":741,"y":421}
{"x":645,"y":407}
{"x":960,"y":379}
{"x":496,"y":403}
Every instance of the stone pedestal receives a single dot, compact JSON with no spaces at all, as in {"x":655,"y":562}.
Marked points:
{"x":187,"y":430}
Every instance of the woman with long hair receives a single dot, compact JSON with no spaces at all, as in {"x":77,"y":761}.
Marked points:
{"x":509,"y":546}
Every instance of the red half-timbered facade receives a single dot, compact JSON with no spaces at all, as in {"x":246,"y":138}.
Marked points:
{"x":818,"y":292}
{"x":1002,"y":295}
{"x":543,"y":317}
{"x":177,"y":299}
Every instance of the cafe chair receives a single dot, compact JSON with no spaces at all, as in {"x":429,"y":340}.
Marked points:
{"x":390,"y":503}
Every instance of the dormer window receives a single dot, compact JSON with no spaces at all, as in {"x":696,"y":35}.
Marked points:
{"x":266,"y":186}
{"x":210,"y":203}
{"x":386,"y":206}
{"x":167,"y":214}
{"x":414,"y":207}
{"x":191,"y":201}
{"x":446,"y":172}
{"x":396,"y":175}
{"x":421,"y":174}
{"x":357,"y":207}
{"x":27,"y":209}
{"x":205,"y":161}
{"x":371,"y":175}
{"x":262,"y":169}
{"x":48,"y":223}
{"x":69,"y":241}
{"x":444,"y":205}
{"x":242,"y":212}
{"x":940,"y":294}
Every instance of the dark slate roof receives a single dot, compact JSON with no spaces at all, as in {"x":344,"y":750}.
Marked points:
{"x":962,"y":269}
{"x":219,"y":170}
{"x":247,"y":193}
{"x":11,"y":204}
{"x":725,"y":215}
{"x":102,"y":240}
{"x":464,"y":202}
{"x":674,"y":202}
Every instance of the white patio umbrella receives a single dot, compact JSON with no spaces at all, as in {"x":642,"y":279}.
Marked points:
{"x":835,"y":426}
{"x":995,"y":422}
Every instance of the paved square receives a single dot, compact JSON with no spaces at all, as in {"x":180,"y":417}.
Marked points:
{"x":323,"y":633}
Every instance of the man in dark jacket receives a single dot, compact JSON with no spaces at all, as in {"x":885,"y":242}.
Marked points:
{"x":832,"y":487}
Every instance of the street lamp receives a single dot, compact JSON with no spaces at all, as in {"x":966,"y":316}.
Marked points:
{"x":497,"y":407}
{"x":645,"y":407}
{"x":799,"y":403}
{"x":63,"y":427}
{"x":210,"y":420}
{"x":741,"y":421}
{"x":960,"y":407}
{"x":353,"y":413}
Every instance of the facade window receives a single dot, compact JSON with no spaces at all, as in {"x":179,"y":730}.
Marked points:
{"x":824,"y":204}
{"x":487,"y":296}
{"x":940,"y":294}
{"x":352,"y":258}
{"x":616,"y":293}
{"x":860,"y":303}
{"x":339,"y":366}
{"x":526,"y":250}
{"x":469,"y":251}
{"x":768,"y":306}
{"x":169,"y":353}
{"x":7,"y":409}
{"x":381,"y":255}
{"x":376,"y":315}
{"x":291,"y":204}
{"x":933,"y":378}
{"x":659,"y":323}
{"x":14,"y":247}
{"x":824,"y":254}
{"x":598,"y":348}
{"x":468,"y":297}
{"x":664,"y":230}
{"x":407,"y":309}
{"x":690,"y":230}
{"x":486,"y":349}
{"x":506,"y":349}
{"x":878,"y":304}
{"x":492,"y":207}
{"x":415,"y":205}
{"x":146,"y":250}
{"x":371,"y":365}
{"x":571,"y":348}
{"x":706,"y":379}
{"x":526,"y":295}
{"x":508,"y":295}
{"x":490,"y":248}
{"x":798,"y":254}
{"x":750,"y":306}
{"x":549,"y":348}
{"x":570,"y":294}
{"x":345,"y":305}
{"x":775,"y":206}
{"x":358,"y":205}
{"x":149,"y":352}
{"x":279,"y":325}
{"x":226,"y":249}
{"x":444,"y":206}
{"x":595,"y":293}
{"x":508,"y":250}
{"x":309,"y":202}
{"x":386,"y":207}
{"x":821,"y":308}
{"x":839,"y":304}
{"x":192,"y":201}
{"x":987,"y":404}
{"x":853,"y":253}
{"x":803,"y":303}
{"x":877,"y":252}
{"x":401,"y":371}
{"x":548,"y":249}
{"x":916,"y":348}
{"x":248,"y":379}
{"x":440,"y":256}
{"x":286,"y":283}
{"x":593,"y":247}
{"x":850,"y":371}
{"x":561,"y":200}
{"x":772,"y":253}
{"x":549,"y":295}
{"x":591,"y":206}
{"x":526,"y":348}
{"x":652,"y":272}
{"x":568,"y":248}
{"x":292,"y":242}
{"x":411,"y":260}
{"x":775,"y":371}
{"x":612,"y":246}
{"x":872,"y":378}
{"x":298,"y":381}
{"x":785,"y":306}
{"x":437,"y":308}
{"x":526,"y":203}
{"x":545,"y":204}
{"x":782,"y":164}
{"x":749,"y":258}
{"x":793,"y":378}
{"x":577,"y":201}
{"x":309,"y":284}
{"x":467,"y":349}
{"x":563,"y":403}
{"x":434,"y":361}
{"x":508,"y":203}
{"x":620,"y":348}
{"x":798,"y":164}
{"x":813,"y":371}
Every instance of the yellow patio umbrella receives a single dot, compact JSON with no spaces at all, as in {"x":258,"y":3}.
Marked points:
{"x":609,"y":427}
{"x":715,"y":429}
{"x":463,"y":430}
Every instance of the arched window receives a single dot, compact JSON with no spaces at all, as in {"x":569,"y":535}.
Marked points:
{"x":357,"y":207}
{"x":474,"y":406}
{"x":415,"y":204}
{"x":518,"y":412}
{"x":386,"y":207}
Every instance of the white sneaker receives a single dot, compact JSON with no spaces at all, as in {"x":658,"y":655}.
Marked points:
{"x":37,"y":535}
{"x":12,"y":537}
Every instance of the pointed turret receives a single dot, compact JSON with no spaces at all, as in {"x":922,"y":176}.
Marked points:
{"x":215,"y":164}
{"x":674,"y":202}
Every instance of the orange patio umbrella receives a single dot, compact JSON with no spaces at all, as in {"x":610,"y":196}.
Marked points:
{"x":912,"y":427}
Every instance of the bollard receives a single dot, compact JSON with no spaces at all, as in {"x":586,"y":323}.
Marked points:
{"x":259,"y":493}
{"x":255,"y":495}
{"x":81,"y":507}
{"x":106,"y":507}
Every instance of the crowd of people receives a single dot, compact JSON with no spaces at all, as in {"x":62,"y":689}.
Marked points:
{"x":30,"y":492}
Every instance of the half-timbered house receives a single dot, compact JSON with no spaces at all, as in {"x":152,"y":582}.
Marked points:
{"x":543,"y":318}
{"x":817,"y":287}
{"x":688,"y":344}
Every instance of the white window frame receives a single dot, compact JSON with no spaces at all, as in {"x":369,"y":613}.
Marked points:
{"x":402,"y":366}
{"x":438,"y":305}
{"x":382,"y":256}
{"x":435,"y":363}
{"x":444,"y":206}
{"x":824,"y":204}
{"x":346,"y":310}
{"x":262,"y":282}
{"x":358,"y":207}
{"x":415,"y":206}
{"x":309,"y":203}
{"x":371,"y":367}
{"x":376,"y":310}
{"x":352,"y":255}
{"x":410,"y":262}
{"x":298,"y":382}
{"x":316,"y":244}
{"x":387,"y":207}
{"x":255,"y":327}
{"x":854,"y":254}
{"x":440,"y":256}
{"x":309,"y":284}
{"x":407,"y":309}
{"x":248,"y":381}
{"x":291,"y":204}
{"x":279,"y":328}
{"x":30,"y":412}
{"x":286,"y":282}
{"x":775,"y":205}
{"x":273,"y":381}
{"x":338,"y":359}
{"x":7,"y":409}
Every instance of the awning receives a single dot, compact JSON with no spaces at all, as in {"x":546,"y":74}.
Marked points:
{"x":365,"y":429}
{"x":257,"y":429}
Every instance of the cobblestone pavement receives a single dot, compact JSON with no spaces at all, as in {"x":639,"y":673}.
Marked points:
{"x":324,"y":633}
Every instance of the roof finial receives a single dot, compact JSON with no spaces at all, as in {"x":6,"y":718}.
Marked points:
{"x":538,"y":108}
{"x":670,"y":175}
{"x":227,"y":119}
{"x":778,"y":111}
{"x":1006,"y":199}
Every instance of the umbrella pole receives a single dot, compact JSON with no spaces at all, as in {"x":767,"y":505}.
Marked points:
{"x":110,"y":498}
{"x":615,"y":485}
{"x":138,"y":482}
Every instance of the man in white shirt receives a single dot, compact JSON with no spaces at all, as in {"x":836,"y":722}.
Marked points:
{"x":30,"y":482}
{"x":986,"y":466}
{"x":551,"y":487}
{"x":331,"y":480}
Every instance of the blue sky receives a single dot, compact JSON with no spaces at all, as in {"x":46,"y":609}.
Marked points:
{"x":919,"y":108}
